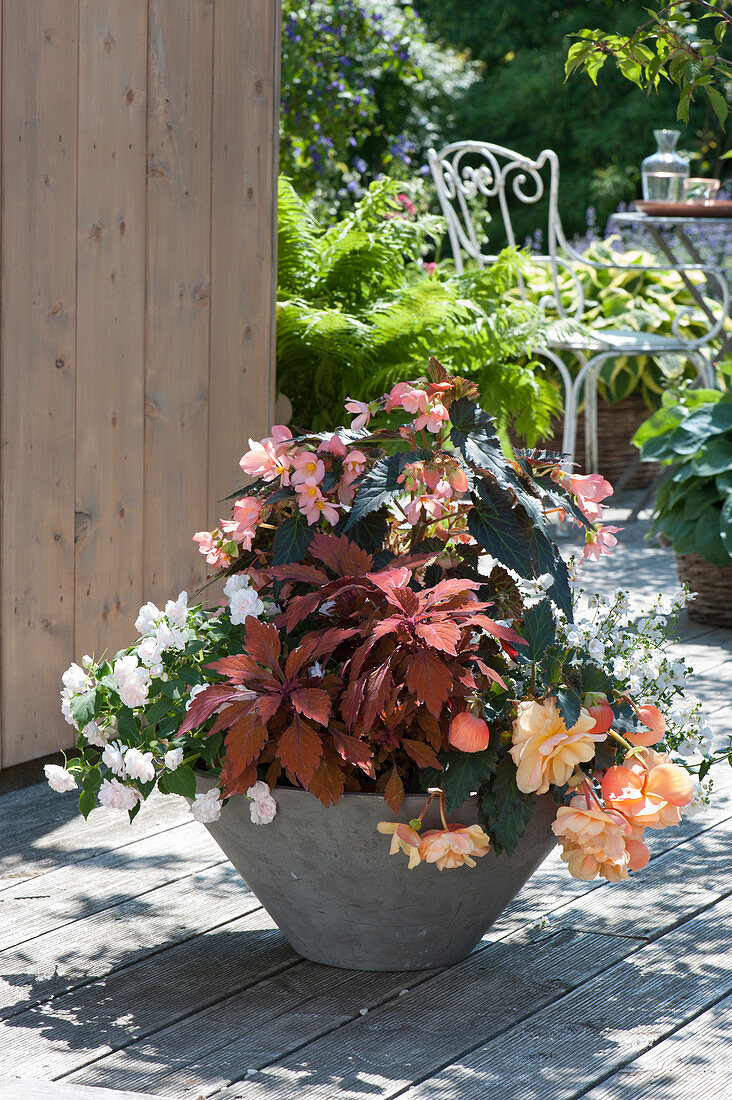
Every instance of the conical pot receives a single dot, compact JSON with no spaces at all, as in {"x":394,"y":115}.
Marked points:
{"x":326,"y":878}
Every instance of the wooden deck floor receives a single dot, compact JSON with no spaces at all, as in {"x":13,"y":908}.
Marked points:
{"x":134,"y":958}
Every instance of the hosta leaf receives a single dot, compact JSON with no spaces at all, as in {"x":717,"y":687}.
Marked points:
{"x":715,"y":457}
{"x":503,"y":809}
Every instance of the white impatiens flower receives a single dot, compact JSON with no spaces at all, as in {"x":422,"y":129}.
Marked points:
{"x":173,"y":759}
{"x":114,"y":757}
{"x":76,"y":680}
{"x":149,"y":650}
{"x":95,"y":735}
{"x":169,"y":637}
{"x":59,"y":779}
{"x":139,"y":765}
{"x":244,"y":602}
{"x":176,"y":611}
{"x":147,"y":619}
{"x":133,"y":680}
{"x":235,"y":582}
{"x":66,"y":708}
{"x":263,"y":807}
{"x":207,"y":807}
{"x":116,"y":796}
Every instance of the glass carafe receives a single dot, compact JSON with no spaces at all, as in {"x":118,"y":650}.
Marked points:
{"x":663,"y":173}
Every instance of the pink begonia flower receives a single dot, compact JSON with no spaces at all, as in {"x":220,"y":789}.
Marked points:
{"x":346,"y":491}
{"x":427,"y":505}
{"x":432,"y":418}
{"x":267,"y":460}
{"x":648,"y":790}
{"x":458,"y":480}
{"x":403,"y":839}
{"x":544,"y":751}
{"x":407,"y":397}
{"x":597,"y":841}
{"x":454,"y":846}
{"x":307,"y":469}
{"x":314,"y":508}
{"x":354,"y":464}
{"x":333,"y":446}
{"x":207,"y":807}
{"x":247,"y":512}
{"x":207,"y":546}
{"x":363,"y":413}
{"x":591,"y":487}
{"x":59,"y":779}
{"x":429,"y":268}
{"x":263,"y":807}
{"x":116,"y":796}
{"x":599,"y":542}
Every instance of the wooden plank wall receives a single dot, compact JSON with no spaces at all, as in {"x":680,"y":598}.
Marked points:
{"x":137,"y":260}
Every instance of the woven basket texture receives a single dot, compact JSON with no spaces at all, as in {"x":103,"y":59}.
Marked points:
{"x":713,"y":585}
{"x":616,"y":426}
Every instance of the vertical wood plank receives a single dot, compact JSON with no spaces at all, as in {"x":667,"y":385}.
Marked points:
{"x":111,"y":321}
{"x":38,"y":367}
{"x":245,"y":125}
{"x":178,"y":292}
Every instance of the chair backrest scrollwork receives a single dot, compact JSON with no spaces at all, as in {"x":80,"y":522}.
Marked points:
{"x":475,"y":178}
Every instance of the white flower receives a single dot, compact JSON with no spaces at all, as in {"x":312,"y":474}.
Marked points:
{"x":113,"y":757}
{"x":139,"y":765}
{"x":196,"y":690}
{"x":207,"y":807}
{"x":596,"y":649}
{"x":316,"y":669}
{"x":177,"y":610}
{"x":149,"y":650}
{"x":158,"y":670}
{"x":263,"y":807}
{"x":173,"y":759}
{"x":235,"y":582}
{"x":66,"y":708}
{"x":147,"y":618}
{"x":134,"y":692}
{"x":124,"y":667}
{"x":114,"y":794}
{"x":96,"y":735}
{"x":169,"y":637}
{"x":244,"y":602}
{"x":76,"y":680}
{"x":59,"y":779}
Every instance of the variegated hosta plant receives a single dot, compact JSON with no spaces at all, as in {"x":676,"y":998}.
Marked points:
{"x":397,"y":618}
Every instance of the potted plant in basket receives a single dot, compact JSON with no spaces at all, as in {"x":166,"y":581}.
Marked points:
{"x":692,"y":435}
{"x":396,"y":667}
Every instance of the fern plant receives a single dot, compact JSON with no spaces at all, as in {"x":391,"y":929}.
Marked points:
{"x":358,"y":309}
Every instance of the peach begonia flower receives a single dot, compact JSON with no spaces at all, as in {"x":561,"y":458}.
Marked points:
{"x":454,"y":846}
{"x":403,"y":839}
{"x":544,"y":751}
{"x":213,"y":553}
{"x":247,"y":512}
{"x":469,"y":733}
{"x":353,"y":464}
{"x":655,"y":724}
{"x":332,"y":446}
{"x":313,"y":505}
{"x":597,"y":841}
{"x":648,"y":790}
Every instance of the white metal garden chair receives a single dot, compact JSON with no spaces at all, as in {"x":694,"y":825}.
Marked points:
{"x":474,"y":177}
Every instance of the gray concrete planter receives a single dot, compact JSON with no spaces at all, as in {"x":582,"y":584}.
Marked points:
{"x":326,"y":878}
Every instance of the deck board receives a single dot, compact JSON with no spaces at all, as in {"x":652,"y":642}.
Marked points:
{"x":134,"y":959}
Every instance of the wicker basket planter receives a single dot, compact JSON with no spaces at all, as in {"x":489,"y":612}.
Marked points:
{"x":713,"y":585}
{"x":616,"y":426}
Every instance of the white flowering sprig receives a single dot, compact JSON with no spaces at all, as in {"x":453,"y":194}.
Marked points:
{"x":127,"y":709}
